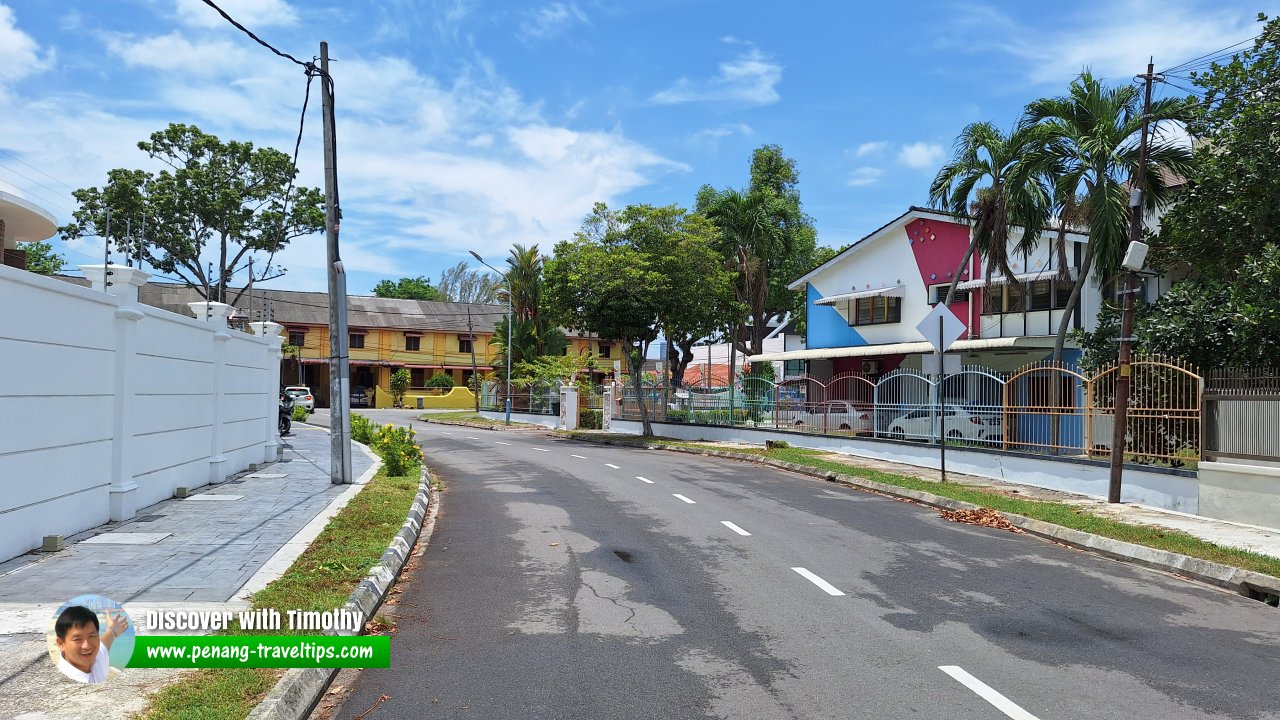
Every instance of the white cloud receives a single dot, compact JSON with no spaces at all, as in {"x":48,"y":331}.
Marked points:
{"x":1114,"y":39}
{"x":713,"y":136}
{"x":871,"y":148}
{"x":750,"y":78}
{"x":920,"y":154}
{"x":550,"y":20}
{"x":20,"y":55}
{"x":250,"y":13}
{"x":177,"y":52}
{"x":864,"y":176}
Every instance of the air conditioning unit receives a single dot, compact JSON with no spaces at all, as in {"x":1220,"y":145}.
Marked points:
{"x":870,"y":367}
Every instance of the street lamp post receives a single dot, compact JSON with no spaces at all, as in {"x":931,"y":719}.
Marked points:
{"x":505,"y":277}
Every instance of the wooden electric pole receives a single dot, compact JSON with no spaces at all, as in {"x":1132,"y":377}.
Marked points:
{"x":1124,"y":376}
{"x":339,"y":361}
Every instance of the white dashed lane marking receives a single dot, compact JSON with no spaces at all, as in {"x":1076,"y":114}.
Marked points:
{"x":986,"y":692}
{"x":734,"y":528}
{"x":678,"y":495}
{"x":644,"y":479}
{"x":615,"y":467}
{"x":499,"y":442}
{"x":827,"y":587}
{"x":580,"y":457}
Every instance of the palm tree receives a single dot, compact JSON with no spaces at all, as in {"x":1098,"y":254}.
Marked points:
{"x":995,"y":182}
{"x":748,"y":233}
{"x":1091,"y":140}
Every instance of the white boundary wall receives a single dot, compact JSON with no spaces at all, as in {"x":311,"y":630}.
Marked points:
{"x":1157,"y":489}
{"x":107,"y":406}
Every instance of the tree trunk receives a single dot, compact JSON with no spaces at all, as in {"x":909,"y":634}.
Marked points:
{"x":637,"y":381}
{"x":1055,"y":388}
{"x":955,"y":280}
{"x":682,"y":366}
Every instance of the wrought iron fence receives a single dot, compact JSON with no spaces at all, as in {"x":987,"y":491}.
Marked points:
{"x":1242,"y":415}
{"x":1043,"y":407}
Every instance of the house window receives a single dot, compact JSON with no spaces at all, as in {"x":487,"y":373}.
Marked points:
{"x":297,"y":339}
{"x":876,"y":311}
{"x":412,"y":342}
{"x":464,"y":343}
{"x":938,"y":293}
{"x":1031,"y":296}
{"x":605,"y":350}
{"x":417,"y":377}
{"x":357,"y":342}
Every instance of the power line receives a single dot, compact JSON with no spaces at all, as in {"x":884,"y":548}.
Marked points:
{"x":33,"y":167}
{"x":255,"y":38}
{"x":1193,"y":61}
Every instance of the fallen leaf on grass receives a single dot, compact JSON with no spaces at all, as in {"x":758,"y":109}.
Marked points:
{"x":985,"y":517}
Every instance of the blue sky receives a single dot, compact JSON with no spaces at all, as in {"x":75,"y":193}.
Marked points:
{"x":470,"y":125}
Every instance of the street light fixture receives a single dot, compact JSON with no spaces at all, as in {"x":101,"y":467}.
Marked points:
{"x":476,"y":255}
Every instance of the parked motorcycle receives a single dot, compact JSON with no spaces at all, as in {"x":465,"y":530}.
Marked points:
{"x":286,"y":413}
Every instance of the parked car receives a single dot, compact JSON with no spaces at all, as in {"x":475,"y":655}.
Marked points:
{"x":301,"y":395}
{"x":359,"y":397}
{"x":835,"y":416}
{"x":922,"y":424}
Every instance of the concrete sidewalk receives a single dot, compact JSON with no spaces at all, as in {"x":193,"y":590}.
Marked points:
{"x":209,"y":551}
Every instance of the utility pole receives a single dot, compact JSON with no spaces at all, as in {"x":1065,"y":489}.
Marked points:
{"x":475,"y":384}
{"x":339,"y":362}
{"x":1124,"y":377}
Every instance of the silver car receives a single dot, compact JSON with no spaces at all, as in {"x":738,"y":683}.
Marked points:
{"x":923,"y":424}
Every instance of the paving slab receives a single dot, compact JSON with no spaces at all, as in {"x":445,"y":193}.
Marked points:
{"x":196,"y":553}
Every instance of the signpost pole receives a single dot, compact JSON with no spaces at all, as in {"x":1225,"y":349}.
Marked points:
{"x":942,"y":403}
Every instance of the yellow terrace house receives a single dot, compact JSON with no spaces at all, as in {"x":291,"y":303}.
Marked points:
{"x":427,"y":338}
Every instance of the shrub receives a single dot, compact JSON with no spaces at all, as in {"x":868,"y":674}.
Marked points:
{"x":399,"y":386}
{"x":362,"y":429}
{"x":440,"y":381}
{"x":299,"y":413}
{"x":776,"y":444}
{"x":590,"y":419}
{"x":678,"y":416}
{"x":399,"y":449}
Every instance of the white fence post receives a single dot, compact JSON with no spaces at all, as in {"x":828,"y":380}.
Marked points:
{"x":125,"y":281}
{"x":216,"y":314}
{"x":569,"y":407}
{"x":606,"y":410}
{"x":271,"y":331}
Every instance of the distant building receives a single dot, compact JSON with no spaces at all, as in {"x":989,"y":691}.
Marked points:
{"x":427,"y":338}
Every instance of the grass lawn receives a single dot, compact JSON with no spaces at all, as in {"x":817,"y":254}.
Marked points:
{"x":320,"y":579}
{"x":467,"y":416}
{"x":1063,"y":514}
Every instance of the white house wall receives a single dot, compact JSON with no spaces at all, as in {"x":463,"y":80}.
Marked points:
{"x":106,"y":406}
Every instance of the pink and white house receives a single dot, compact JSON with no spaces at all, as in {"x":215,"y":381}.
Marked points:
{"x":864,"y":304}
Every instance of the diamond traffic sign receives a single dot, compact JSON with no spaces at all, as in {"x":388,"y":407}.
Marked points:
{"x":941,"y":335}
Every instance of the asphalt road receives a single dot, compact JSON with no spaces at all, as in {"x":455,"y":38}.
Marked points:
{"x":572,"y":580}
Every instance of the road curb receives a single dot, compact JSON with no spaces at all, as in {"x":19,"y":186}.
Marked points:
{"x":1245,"y":582}
{"x":299,"y":690}
{"x":456,"y":423}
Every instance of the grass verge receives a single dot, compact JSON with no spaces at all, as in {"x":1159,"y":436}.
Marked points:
{"x":1063,"y":514}
{"x":467,"y":417}
{"x":320,"y":579}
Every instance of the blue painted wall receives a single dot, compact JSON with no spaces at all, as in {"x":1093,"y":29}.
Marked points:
{"x":826,"y":328}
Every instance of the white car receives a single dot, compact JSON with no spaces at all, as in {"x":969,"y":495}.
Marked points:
{"x":923,"y":424}
{"x":835,"y":416}
{"x":301,"y":395}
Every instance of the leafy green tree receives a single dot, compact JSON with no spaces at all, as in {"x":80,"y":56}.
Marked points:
{"x":1091,"y":143}
{"x":217,"y":201}
{"x":766,"y":240}
{"x":462,"y":284}
{"x":1209,"y":322}
{"x":627,"y":274}
{"x":440,"y":380}
{"x":41,"y":259}
{"x":415,"y":288}
{"x":1231,"y":205}
{"x":995,"y":181}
